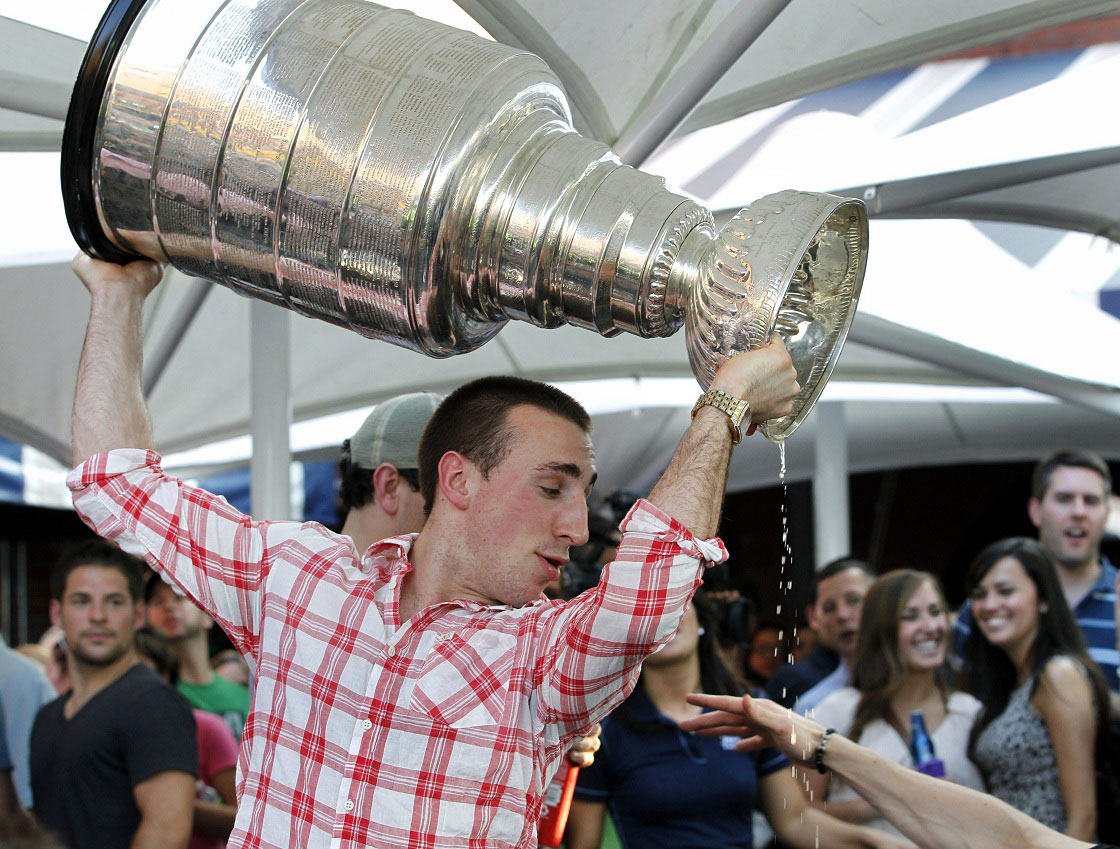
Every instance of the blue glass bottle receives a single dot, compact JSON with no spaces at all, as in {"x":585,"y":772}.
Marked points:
{"x":921,"y":748}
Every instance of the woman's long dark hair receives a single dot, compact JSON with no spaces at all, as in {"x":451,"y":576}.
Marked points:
{"x":989,"y":673}
{"x":716,"y":678}
{"x":878,"y":670}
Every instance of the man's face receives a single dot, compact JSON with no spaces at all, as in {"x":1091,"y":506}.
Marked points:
{"x":1071,"y":516}
{"x":835,"y":616}
{"x":97,"y":615}
{"x":174,"y":616}
{"x":530,"y":511}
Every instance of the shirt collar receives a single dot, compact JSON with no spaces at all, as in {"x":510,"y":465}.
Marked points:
{"x":643,"y":709}
{"x":390,"y":557}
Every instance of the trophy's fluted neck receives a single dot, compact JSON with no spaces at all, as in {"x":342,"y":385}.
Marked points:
{"x":573,"y":236}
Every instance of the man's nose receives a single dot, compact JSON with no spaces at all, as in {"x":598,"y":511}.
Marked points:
{"x":572,"y":524}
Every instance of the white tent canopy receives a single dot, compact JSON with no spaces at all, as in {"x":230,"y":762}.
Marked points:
{"x":617,"y":58}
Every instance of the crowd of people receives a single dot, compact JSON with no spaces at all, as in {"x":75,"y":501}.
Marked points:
{"x":404,"y":682}
{"x":1020,"y":708}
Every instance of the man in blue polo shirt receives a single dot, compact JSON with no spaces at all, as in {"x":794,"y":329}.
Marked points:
{"x":1069,"y":506}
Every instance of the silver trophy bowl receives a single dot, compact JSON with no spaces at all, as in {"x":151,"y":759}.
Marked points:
{"x":421,"y":185}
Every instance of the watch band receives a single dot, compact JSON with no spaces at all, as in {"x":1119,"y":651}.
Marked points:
{"x":738,"y":411}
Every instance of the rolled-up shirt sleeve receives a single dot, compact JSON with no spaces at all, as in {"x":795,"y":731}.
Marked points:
{"x":594,"y":644}
{"x":216,"y":555}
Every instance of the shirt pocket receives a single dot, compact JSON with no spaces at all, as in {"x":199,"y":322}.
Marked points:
{"x":464,"y":681}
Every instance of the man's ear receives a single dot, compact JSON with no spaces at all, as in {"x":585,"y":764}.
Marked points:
{"x":386,"y":479}
{"x":1034,"y":510}
{"x":56,"y":612}
{"x":457,"y":479}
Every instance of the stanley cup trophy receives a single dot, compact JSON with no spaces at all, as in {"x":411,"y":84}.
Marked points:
{"x":421,"y":185}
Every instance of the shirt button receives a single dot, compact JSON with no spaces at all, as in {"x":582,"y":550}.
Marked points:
{"x":391,"y":651}
{"x":367,"y":724}
{"x":349,"y":805}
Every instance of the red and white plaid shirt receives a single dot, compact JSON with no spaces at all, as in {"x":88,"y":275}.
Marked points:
{"x":442,"y":731}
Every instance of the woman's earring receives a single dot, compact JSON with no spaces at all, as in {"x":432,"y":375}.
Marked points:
{"x":700,"y":631}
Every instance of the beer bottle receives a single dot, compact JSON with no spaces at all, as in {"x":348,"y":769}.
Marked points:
{"x":921,"y":748}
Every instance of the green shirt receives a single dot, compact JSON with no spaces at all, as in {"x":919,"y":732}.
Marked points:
{"x":228,"y":700}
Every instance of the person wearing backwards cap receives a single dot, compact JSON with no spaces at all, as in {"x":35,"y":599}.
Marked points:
{"x":380,"y":491}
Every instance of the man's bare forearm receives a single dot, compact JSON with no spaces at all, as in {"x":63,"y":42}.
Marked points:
{"x":109,"y":408}
{"x":691,"y":488}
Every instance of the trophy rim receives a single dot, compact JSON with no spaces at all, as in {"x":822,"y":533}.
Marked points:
{"x":843,"y":329}
{"x":80,"y":131}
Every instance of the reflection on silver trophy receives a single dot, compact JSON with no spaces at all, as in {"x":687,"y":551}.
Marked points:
{"x":421,"y":185}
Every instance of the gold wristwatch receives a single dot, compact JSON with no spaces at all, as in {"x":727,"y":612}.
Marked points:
{"x":738,"y":411}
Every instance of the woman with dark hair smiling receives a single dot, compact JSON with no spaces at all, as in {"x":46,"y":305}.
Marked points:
{"x":1037,"y":737}
{"x":669,"y":789}
{"x":899,"y":668}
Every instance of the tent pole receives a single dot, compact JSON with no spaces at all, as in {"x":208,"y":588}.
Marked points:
{"x":831,"y":520}
{"x":37,"y":69}
{"x":695,"y":78}
{"x":270,"y":409}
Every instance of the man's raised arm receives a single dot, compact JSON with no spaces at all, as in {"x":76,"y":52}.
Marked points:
{"x":194,"y":539}
{"x":594,"y":645}
{"x":109,"y":408}
{"x":691,"y":488}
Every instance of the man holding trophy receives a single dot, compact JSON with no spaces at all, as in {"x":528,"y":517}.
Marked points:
{"x":422,"y":695}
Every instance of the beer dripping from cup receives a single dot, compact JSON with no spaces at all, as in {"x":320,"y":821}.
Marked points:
{"x":421,"y":185}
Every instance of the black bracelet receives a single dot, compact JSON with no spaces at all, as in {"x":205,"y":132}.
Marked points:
{"x":818,"y":756}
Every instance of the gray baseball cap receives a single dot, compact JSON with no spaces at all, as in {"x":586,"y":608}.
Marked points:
{"x":391,"y":433}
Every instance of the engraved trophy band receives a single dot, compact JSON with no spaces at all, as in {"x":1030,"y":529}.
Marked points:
{"x":421,"y":185}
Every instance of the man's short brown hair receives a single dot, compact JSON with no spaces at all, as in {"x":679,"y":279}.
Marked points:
{"x":98,"y":552}
{"x":474,"y":421}
{"x":1079,"y":459}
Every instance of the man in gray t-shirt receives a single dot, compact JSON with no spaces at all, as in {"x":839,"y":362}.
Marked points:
{"x":24,"y":689}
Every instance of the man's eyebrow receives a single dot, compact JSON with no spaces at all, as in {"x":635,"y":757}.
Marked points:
{"x":571,"y":470}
